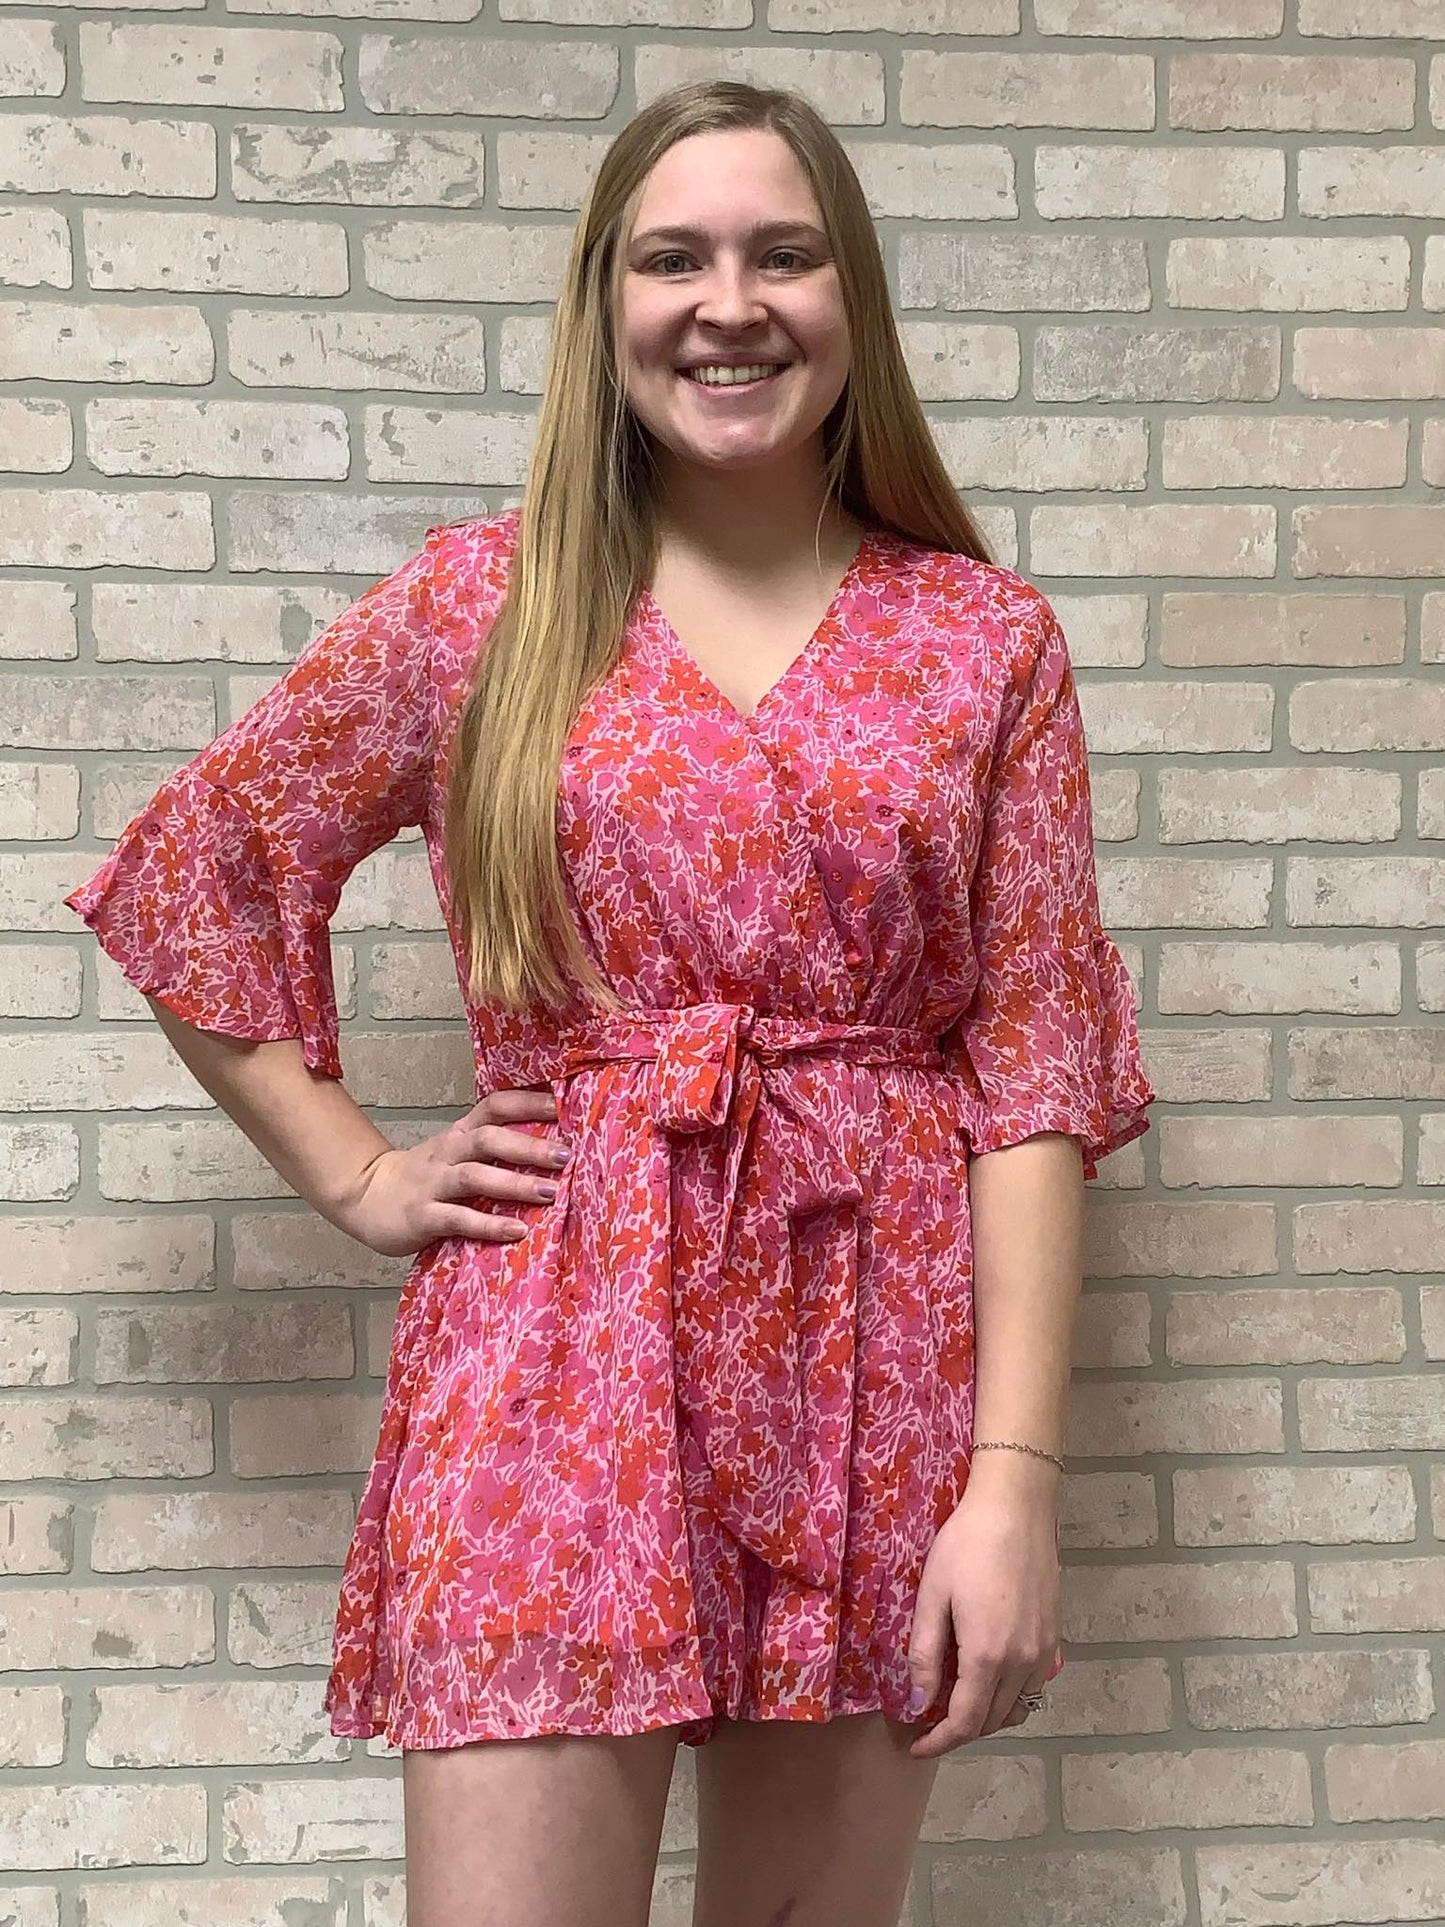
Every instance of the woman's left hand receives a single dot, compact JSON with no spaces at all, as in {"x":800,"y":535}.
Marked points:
{"x":991,"y":1582}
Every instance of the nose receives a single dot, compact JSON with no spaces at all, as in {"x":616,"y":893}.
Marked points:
{"x":729,"y":297}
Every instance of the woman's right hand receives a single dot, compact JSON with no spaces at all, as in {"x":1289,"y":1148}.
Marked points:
{"x":408,"y":1198}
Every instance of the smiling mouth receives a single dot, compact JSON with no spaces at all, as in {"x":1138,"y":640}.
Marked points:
{"x":729,"y":386}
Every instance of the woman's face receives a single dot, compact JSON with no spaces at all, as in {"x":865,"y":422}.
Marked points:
{"x":752,"y":282}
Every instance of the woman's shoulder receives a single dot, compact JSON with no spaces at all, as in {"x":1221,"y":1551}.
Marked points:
{"x":470,"y":558}
{"x":470,"y":564}
{"x":987,"y":607}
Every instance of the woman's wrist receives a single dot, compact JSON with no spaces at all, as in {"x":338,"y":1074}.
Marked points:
{"x":1021,"y":1475}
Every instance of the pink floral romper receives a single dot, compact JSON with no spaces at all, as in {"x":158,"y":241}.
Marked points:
{"x":683,"y":1448}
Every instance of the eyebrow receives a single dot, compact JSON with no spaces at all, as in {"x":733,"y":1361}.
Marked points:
{"x":758,"y":232}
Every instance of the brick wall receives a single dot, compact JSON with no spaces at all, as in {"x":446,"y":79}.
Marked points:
{"x":277,"y":282}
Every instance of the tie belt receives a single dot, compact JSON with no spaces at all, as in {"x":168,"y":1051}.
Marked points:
{"x":764,"y":1384}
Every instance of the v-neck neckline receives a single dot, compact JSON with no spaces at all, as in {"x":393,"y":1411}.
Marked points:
{"x":822,"y":634}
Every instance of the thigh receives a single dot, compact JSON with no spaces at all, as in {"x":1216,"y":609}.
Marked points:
{"x":529,"y":1832}
{"x":804,"y":1825}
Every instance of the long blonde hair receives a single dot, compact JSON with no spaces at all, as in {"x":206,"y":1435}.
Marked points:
{"x":586,"y":535}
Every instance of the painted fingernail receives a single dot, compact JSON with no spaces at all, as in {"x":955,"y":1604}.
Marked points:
{"x":917,"y":1700}
{"x":548,"y":1191}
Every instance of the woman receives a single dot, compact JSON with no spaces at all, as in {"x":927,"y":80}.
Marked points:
{"x":757,"y":803}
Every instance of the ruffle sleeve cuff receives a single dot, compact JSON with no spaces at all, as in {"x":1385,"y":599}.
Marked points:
{"x":1051,"y":1044}
{"x":198,"y":911}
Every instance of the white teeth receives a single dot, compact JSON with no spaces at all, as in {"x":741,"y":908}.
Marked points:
{"x":721,"y":376}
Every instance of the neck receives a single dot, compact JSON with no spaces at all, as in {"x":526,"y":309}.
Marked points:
{"x":748,"y":521}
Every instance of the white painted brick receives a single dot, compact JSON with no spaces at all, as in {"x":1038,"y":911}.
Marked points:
{"x":222,"y":1344}
{"x":68,"y":528}
{"x":1241,"y":1692}
{"x":356,"y":166}
{"x":308,"y":1821}
{"x":37,"y":621}
{"x":224,"y":67}
{"x":37,"y":1160}
{"x":288,"y":1436}
{"x":845,"y":88}
{"x":112,"y":1824}
{"x":1066,"y":272}
{"x":1158,"y":538}
{"x":276,"y":1251}
{"x":1274,"y":1505}
{"x":1227,"y":1599}
{"x":32,"y":1734}
{"x":1238,"y":627}
{"x":250,"y":1899}
{"x":38,"y":1345}
{"x":37,"y":1534}
{"x":214,"y":253}
{"x":32,"y":59}
{"x":1285,"y":452}
{"x":1377,"y":1782}
{"x":172,"y":1163}
{"x":34,"y":247}
{"x":1122,"y":1418}
{"x":1407,"y":181}
{"x":321,"y":348}
{"x":489,"y":450}
{"x":64,"y":341}
{"x":1412,"y":19}
{"x":1106,"y":362}
{"x":1108,"y":1510}
{"x":1282,"y":1326}
{"x":985,"y":1799}
{"x":1394,"y":1414}
{"x":77,"y":1437}
{"x":281,"y":1623}
{"x":107,"y":1626}
{"x":35,"y":435}
{"x":106,"y":154}
{"x":158,"y":436}
{"x":178,"y":1531}
{"x":211,"y":1723}
{"x":1162,"y":19}
{"x":1129,"y":1887}
{"x":39,"y":801}
{"x":1208,"y":1787}
{"x":1377,"y":1595}
{"x":470,"y":74}
{"x":1026,"y":90}
{"x":1247,"y":1886}
{"x":205,"y":622}
{"x":1193,"y":183}
{"x":1221,"y":93}
{"x":108,"y":1253}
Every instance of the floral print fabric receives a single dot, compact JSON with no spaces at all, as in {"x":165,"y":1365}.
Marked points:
{"x":683,"y":1448}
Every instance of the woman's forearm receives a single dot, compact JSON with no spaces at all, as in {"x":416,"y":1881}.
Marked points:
{"x":309,"y":1129}
{"x":1027,"y":1207}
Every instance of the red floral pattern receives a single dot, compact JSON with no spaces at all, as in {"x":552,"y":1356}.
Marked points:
{"x":683,"y":1448}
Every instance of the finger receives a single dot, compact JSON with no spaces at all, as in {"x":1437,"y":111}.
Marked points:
{"x":927,"y":1645}
{"x":457,"y":1221}
{"x":961,"y":1721}
{"x":1005,"y":1700}
{"x":490,"y":1181}
{"x":510,"y":1106}
{"x":494,"y":1142}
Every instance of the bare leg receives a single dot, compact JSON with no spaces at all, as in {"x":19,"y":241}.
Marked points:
{"x":804,"y":1825}
{"x":531,"y":1832}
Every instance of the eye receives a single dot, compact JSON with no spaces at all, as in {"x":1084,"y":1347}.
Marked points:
{"x":676,"y":254}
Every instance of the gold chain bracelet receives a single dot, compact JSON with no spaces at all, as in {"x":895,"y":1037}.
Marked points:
{"x":1011,"y":1445}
